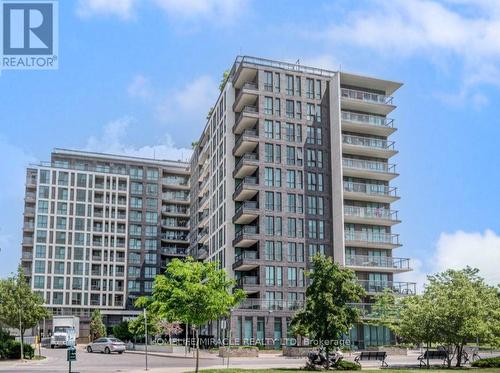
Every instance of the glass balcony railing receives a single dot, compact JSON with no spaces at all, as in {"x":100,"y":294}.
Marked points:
{"x":370,"y":213}
{"x":377,"y":261}
{"x":251,"y":205}
{"x":403,"y":288}
{"x":375,"y":189}
{"x":372,"y":237}
{"x":247,"y":281}
{"x":251,"y":255}
{"x":368,"y":142}
{"x":361,"y":164}
{"x":247,"y":229}
{"x":252,"y":157}
{"x":376,"y":98}
{"x":247,"y":181}
{"x":374,"y":120}
{"x":271,"y":304}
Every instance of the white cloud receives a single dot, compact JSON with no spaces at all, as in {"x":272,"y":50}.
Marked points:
{"x":11,"y":200}
{"x":112,"y":140}
{"x":478,"y":250}
{"x":140,"y":87}
{"x":120,"y":8}
{"x":190,"y":104}
{"x":436,"y":30}
{"x":219,"y":10}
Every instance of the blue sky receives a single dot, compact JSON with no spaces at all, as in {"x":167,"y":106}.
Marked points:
{"x":138,"y":76}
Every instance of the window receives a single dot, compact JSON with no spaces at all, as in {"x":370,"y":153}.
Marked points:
{"x":277,"y":107}
{"x":43,"y":191}
{"x":39,"y":282}
{"x":290,"y":155}
{"x":318,"y":113}
{"x":312,"y":229}
{"x":44,"y":177}
{"x":268,"y":81}
{"x":273,"y":250}
{"x":150,"y":258}
{"x":60,"y":223}
{"x":40,"y":251}
{"x":135,"y":216}
{"x":268,"y":153}
{"x":268,"y":176}
{"x":269,"y":201}
{"x":290,"y":109}
{"x":298,"y":110}
{"x":81,"y":180}
{"x":136,"y":172}
{"x":277,"y":82}
{"x":291,"y":179}
{"x":63,"y":178}
{"x":42,"y":221}
{"x":318,"y":89}
{"x":268,"y":105}
{"x":277,"y":153}
{"x":136,"y":188}
{"x":39,"y":266}
{"x":292,"y":227}
{"x":152,"y":174}
{"x":277,"y":130}
{"x":58,"y":282}
{"x":149,"y":272}
{"x":289,"y":85}
{"x":309,"y":88}
{"x":268,"y":129}
{"x":136,"y":202}
{"x":62,"y":193}
{"x":43,"y":207}
{"x":151,"y":217}
{"x":41,"y":236}
{"x":57,"y":298}
{"x":60,"y":252}
{"x":298,"y":86}
{"x":277,"y":177}
{"x":59,"y":268}
{"x":78,"y":268}
{"x":292,"y":276}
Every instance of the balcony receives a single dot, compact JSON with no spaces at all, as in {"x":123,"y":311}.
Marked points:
{"x":246,"y":165}
{"x":174,"y":236}
{"x":203,"y":235}
{"x":370,"y":192}
{"x":29,"y":211}
{"x":366,"y":123}
{"x":270,"y":304}
{"x":246,"y":189}
{"x":246,"y":260}
{"x":371,"y":239}
{"x":358,"y":100}
{"x":203,"y":218}
{"x":368,"y":169}
{"x":247,"y":118}
{"x":246,"y":213}
{"x":247,"y":95}
{"x":203,"y":187}
{"x":244,"y":74}
{"x":29,"y":226}
{"x":175,"y":210}
{"x":247,"y":236}
{"x":30,"y":197}
{"x":368,"y":146}
{"x":173,"y":251}
{"x":249,"y":284}
{"x":378,"y":263}
{"x":399,"y":288}
{"x":203,"y":203}
{"x":27,"y":241}
{"x":246,"y":142}
{"x":176,"y":199}
{"x":370,"y":215}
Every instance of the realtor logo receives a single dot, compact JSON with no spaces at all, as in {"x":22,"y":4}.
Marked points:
{"x":29,"y":34}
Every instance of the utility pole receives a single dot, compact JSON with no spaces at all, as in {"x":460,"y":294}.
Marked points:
{"x":146,"y":335}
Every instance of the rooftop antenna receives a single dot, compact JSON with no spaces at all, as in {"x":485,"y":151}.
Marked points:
{"x":154,"y":153}
{"x":297,"y":62}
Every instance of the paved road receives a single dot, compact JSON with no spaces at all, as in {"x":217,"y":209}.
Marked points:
{"x":132,"y":363}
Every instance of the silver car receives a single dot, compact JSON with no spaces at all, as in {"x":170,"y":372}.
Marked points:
{"x":106,"y":345}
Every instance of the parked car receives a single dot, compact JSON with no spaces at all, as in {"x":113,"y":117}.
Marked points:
{"x":106,"y":345}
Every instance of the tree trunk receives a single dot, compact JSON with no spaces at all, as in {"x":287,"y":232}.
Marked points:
{"x":327,"y":354}
{"x":428,"y":345}
{"x":197,"y":350}
{"x":460,"y":348}
{"x":21,"y":332}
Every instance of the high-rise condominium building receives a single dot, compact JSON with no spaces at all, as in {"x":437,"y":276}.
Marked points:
{"x":296,"y":161}
{"x":293,"y":161}
{"x":98,"y":228}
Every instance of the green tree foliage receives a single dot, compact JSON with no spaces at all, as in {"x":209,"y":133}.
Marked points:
{"x":456,"y":307}
{"x":193,"y":293}
{"x":121,"y":331}
{"x":19,"y":305}
{"x":97,"y":327}
{"x":210,"y":111}
{"x":225,"y":77}
{"x":386,"y":310}
{"x":327,"y":314}
{"x":137,"y":326}
{"x":168,"y":328}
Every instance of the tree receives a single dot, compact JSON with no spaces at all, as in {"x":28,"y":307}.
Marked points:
{"x":121,"y":331}
{"x":386,"y":310}
{"x":20,"y":308}
{"x":456,"y":307}
{"x":225,"y":77}
{"x":328,"y":314}
{"x":97,"y":327}
{"x":169,"y":328}
{"x":193,"y":293}
{"x":418,"y":321}
{"x":137,"y":328}
{"x":466,"y":309}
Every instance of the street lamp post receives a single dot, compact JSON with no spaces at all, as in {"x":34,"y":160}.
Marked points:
{"x":146,"y":337}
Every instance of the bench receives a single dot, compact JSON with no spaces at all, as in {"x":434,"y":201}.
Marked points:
{"x":432,"y":355}
{"x":372,"y":355}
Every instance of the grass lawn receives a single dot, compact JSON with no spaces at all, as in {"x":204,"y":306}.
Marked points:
{"x":423,"y":370}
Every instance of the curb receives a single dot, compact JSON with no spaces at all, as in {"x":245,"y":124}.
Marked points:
{"x":162,"y":354}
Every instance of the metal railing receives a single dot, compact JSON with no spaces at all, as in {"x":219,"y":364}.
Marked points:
{"x":404,"y":288}
{"x":375,"y":189}
{"x":371,"y":213}
{"x":373,"y":120}
{"x":377,"y":261}
{"x":368,"y":142}
{"x":246,"y":157}
{"x":356,"y":94}
{"x":361,"y":164}
{"x":373,"y":237}
{"x":173,"y":250}
{"x":252,"y":255}
{"x":247,"y":229}
{"x":271,"y":304}
{"x":247,"y":181}
{"x":246,"y":133}
{"x":247,"y":280}
{"x":251,"y":205}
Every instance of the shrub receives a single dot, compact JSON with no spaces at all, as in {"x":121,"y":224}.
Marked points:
{"x":12,"y":350}
{"x":491,"y":362}
{"x":347,"y":365}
